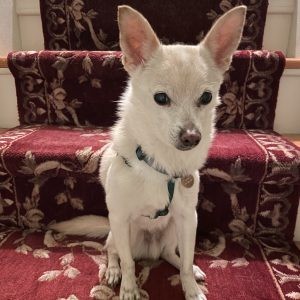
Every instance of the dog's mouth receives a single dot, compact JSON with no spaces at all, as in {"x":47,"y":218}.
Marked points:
{"x":182,"y":147}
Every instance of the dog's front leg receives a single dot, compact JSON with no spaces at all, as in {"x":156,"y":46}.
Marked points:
{"x":186,"y":225}
{"x":120,"y":229}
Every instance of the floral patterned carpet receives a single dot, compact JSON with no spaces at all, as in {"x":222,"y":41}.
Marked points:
{"x":250,"y":185}
{"x":49,"y":168}
{"x":91,"y":24}
{"x":45,"y":265}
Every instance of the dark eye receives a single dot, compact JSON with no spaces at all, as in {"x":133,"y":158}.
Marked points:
{"x":162,"y":99}
{"x":205,"y":98}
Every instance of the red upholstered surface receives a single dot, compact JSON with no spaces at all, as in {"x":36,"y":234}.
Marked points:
{"x":38,"y":266}
{"x":91,"y":24}
{"x":56,"y":143}
{"x":249,"y":189}
{"x":64,"y":143}
{"x":250,"y":183}
{"x":81,"y":88}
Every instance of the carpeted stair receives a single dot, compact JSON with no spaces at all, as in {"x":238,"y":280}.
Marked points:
{"x":49,"y":164}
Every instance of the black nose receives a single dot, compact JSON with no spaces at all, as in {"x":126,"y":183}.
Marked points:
{"x":189,"y":138}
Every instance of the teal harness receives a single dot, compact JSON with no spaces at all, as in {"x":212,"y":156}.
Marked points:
{"x":171,"y":182}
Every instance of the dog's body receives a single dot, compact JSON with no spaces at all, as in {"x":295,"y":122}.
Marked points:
{"x":176,"y":133}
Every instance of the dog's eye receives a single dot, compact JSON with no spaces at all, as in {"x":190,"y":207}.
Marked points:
{"x":162,"y":99}
{"x":205,"y":98}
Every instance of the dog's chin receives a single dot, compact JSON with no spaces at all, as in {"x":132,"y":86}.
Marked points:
{"x":184,"y":148}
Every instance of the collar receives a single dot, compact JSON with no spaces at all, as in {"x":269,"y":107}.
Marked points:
{"x":150,"y":162}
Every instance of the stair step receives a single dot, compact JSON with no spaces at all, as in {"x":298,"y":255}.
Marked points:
{"x":250,"y":181}
{"x":57,"y":268}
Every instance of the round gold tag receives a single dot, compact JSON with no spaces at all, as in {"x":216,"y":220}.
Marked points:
{"x":187,"y":181}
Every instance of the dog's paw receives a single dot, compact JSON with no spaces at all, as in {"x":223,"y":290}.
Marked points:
{"x":191,"y":289}
{"x":129,"y":289}
{"x":198,"y":273}
{"x":113,"y":275}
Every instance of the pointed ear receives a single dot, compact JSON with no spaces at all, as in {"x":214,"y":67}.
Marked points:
{"x":138,"y":41}
{"x":225,"y":35}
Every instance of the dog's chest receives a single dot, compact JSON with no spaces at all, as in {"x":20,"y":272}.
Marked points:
{"x":142,"y":192}
{"x":153,"y":195}
{"x":152,"y":198}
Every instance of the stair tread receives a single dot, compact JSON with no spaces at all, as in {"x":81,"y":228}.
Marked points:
{"x":253,"y":175}
{"x":69,"y":145}
{"x":230,"y":269}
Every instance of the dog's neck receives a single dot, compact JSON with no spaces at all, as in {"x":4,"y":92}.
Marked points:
{"x":126,"y":139}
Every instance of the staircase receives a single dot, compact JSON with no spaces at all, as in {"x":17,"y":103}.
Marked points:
{"x":49,"y":164}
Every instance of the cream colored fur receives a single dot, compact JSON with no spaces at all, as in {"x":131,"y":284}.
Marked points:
{"x":183,"y":73}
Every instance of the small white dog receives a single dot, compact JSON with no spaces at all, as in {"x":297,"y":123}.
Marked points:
{"x":150,"y":170}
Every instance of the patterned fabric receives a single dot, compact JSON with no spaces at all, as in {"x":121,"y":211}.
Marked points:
{"x":91,"y":24}
{"x":81,"y":88}
{"x":249,"y":91}
{"x":71,"y":88}
{"x":50,"y":266}
{"x":51,"y":173}
{"x":250,"y":186}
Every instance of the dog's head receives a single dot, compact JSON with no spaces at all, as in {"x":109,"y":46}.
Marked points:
{"x":174,"y":89}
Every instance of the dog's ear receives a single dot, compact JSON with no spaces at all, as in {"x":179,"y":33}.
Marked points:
{"x":138,"y":41}
{"x":225,"y":35}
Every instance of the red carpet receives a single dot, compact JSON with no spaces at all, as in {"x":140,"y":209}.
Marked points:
{"x":36,"y":266}
{"x":250,"y":186}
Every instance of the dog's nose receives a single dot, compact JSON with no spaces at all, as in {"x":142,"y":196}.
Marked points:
{"x":190,"y":137}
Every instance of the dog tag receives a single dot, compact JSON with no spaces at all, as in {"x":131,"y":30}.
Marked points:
{"x":187,"y":181}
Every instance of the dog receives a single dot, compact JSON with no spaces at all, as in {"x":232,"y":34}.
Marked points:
{"x":161,"y":140}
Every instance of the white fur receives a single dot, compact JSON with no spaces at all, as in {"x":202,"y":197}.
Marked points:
{"x":91,"y":226}
{"x":184,"y":73}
